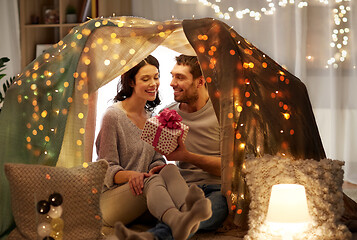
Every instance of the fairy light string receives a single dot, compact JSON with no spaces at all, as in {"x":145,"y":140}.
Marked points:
{"x":54,"y":88}
{"x":340,"y":17}
{"x":340,"y":33}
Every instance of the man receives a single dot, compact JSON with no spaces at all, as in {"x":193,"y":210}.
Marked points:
{"x":198,"y":158}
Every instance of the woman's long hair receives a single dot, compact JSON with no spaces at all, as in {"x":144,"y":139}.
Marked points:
{"x":125,"y":90}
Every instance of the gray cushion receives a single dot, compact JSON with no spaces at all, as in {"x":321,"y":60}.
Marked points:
{"x":80,"y":188}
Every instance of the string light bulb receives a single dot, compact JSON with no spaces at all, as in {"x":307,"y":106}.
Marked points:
{"x":340,"y":34}
{"x":266,"y":10}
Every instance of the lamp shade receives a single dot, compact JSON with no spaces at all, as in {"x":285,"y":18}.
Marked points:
{"x":288,"y":204}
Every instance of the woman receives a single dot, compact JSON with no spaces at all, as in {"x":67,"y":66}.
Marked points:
{"x":137,"y":178}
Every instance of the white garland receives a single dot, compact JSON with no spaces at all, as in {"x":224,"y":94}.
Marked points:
{"x":323,"y":184}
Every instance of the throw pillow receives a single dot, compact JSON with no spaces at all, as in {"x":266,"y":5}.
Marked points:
{"x":55,"y":202}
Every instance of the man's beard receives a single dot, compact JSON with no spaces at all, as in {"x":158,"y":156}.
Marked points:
{"x":189,"y":98}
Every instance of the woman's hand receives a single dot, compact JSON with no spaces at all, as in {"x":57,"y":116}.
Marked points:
{"x":136,"y":179}
{"x":154,"y":170}
{"x":136,"y":182}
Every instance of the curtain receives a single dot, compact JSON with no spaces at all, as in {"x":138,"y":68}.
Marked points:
{"x":10,"y":36}
{"x":305,"y":40}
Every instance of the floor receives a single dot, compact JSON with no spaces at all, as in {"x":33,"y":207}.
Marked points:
{"x":350,"y":190}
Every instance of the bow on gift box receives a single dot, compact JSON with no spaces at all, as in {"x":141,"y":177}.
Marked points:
{"x":167,"y":118}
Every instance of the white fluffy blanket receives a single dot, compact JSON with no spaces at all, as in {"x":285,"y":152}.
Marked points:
{"x":323,"y":184}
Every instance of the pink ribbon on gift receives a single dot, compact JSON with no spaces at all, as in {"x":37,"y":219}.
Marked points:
{"x":167,"y":118}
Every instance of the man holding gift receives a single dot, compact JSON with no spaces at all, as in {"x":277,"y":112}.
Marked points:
{"x":198,"y":158}
{"x":163,"y":130}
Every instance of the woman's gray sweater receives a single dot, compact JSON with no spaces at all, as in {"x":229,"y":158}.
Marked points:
{"x":119,"y":143}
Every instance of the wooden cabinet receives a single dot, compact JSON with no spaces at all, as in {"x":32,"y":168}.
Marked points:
{"x":44,"y":21}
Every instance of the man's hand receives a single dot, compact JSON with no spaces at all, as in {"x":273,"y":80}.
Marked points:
{"x":136,"y":183}
{"x":210,"y":164}
{"x":179,"y":154}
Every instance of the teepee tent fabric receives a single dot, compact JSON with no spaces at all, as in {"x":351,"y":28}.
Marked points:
{"x":48,"y":114}
{"x":262,"y":108}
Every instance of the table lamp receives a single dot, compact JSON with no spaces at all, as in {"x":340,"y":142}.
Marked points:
{"x":287,"y":212}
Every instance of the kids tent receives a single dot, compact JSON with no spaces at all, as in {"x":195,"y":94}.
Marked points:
{"x":48,"y":117}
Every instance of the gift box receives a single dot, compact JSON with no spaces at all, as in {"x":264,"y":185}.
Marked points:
{"x":163,"y":131}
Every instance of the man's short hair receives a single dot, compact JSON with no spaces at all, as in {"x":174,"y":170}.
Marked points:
{"x":192,"y":62}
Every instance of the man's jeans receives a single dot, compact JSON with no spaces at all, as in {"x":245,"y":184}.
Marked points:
{"x":219,"y":213}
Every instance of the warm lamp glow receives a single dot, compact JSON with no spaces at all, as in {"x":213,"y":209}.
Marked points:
{"x":288,"y":212}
